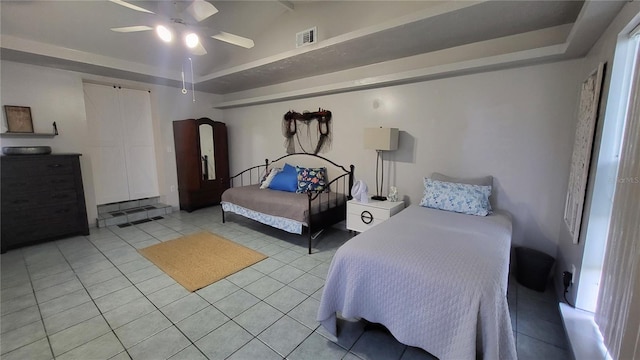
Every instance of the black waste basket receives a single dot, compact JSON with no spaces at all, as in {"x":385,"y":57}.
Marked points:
{"x":533,"y":268}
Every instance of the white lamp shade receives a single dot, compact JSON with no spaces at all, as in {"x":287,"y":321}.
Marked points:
{"x":381,"y":138}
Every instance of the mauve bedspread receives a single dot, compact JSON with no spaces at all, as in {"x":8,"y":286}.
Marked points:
{"x":437,"y":280}
{"x":284,"y":204}
{"x":271,"y":202}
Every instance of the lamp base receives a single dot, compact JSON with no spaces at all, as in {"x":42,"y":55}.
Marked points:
{"x":381,"y":198}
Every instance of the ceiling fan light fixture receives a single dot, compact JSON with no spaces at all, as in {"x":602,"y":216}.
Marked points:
{"x":192,"y":40}
{"x":199,"y":10}
{"x":164,"y":33}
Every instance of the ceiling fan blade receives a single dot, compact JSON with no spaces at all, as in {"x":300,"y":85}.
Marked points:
{"x":131,"y":6}
{"x":200,"y":10}
{"x":234,"y":39}
{"x":199,"y":50}
{"x":128,"y":29}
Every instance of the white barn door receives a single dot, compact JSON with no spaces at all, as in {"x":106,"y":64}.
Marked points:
{"x":106,"y":149}
{"x":120,"y":143}
{"x":139,"y":150}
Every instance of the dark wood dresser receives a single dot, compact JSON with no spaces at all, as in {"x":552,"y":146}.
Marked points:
{"x":202,"y":161}
{"x":42,"y":198}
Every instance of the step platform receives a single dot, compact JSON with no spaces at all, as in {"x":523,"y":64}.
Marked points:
{"x":131,"y":212}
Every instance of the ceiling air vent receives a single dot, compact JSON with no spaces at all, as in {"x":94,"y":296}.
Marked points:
{"x":307,"y":37}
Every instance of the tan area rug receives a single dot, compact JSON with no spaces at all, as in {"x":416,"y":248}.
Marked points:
{"x":198,"y":260}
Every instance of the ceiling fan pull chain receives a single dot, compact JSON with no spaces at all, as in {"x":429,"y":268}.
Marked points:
{"x":184,"y":89}
{"x":193,"y":91}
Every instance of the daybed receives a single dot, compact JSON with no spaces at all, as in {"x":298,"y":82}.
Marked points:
{"x":290,"y":211}
{"x":435,"y":279}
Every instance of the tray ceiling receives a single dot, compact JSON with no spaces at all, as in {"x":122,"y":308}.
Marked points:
{"x":75,"y":35}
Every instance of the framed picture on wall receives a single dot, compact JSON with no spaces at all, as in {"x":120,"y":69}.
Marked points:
{"x":18,"y":119}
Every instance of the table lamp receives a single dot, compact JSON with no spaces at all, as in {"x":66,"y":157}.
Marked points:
{"x":380,"y":139}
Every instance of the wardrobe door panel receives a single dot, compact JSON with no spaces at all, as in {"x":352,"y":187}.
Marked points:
{"x":222,"y":156}
{"x":185,"y":135}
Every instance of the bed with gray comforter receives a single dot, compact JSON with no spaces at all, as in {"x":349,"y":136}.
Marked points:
{"x":436,"y":279}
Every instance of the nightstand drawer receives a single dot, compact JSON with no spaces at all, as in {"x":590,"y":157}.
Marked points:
{"x":378,"y":213}
{"x":364,"y":216}
{"x":361,"y":223}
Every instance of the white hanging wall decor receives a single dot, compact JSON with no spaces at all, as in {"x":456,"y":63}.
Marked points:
{"x":581,"y":158}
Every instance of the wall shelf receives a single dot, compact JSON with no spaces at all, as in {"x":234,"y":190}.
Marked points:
{"x":27,"y":135}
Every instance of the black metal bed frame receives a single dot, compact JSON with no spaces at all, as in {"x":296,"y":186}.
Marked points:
{"x":326,"y":215}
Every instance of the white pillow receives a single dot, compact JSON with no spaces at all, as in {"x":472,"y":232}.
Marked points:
{"x":267,"y":181}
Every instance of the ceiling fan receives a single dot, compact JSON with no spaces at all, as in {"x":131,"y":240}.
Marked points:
{"x":198,"y":10}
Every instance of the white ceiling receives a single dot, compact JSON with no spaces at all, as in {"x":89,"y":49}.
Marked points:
{"x":75,"y":35}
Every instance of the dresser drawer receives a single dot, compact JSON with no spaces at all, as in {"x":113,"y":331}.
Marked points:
{"x":19,"y":235}
{"x":34,"y":184}
{"x":37,"y":166}
{"x":33,"y":200}
{"x":41,"y":216}
{"x":23,"y":227}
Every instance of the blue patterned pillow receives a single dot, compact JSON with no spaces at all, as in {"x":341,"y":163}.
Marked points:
{"x":461,"y":198}
{"x":311,"y":179}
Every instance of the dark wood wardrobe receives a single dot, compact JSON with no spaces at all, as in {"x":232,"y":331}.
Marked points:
{"x":202,"y":161}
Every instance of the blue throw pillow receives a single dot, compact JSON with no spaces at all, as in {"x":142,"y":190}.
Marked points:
{"x":461,"y":198}
{"x":285,"y":180}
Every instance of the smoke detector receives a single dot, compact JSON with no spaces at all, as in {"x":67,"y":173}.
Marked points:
{"x":307,"y":37}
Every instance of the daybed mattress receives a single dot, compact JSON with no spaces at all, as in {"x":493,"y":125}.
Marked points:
{"x":281,"y":209}
{"x":437,"y":280}
{"x":272,"y":202}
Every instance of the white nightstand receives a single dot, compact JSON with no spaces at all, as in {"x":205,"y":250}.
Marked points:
{"x":362,"y":217}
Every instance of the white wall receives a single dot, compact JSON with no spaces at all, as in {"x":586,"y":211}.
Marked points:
{"x":57,"y":95}
{"x":514,"y":124}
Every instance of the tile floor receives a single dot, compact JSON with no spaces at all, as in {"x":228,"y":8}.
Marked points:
{"x":95,"y":297}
